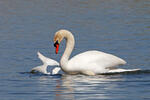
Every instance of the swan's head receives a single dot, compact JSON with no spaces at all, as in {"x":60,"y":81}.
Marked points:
{"x":59,"y":35}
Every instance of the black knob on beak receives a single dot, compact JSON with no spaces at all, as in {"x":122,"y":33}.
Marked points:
{"x":56,"y":43}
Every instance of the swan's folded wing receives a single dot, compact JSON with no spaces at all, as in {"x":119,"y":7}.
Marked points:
{"x":95,"y":60}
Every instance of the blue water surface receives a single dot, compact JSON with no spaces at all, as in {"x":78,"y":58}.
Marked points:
{"x":119,"y":27}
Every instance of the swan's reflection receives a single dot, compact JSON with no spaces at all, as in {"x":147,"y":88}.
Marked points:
{"x":85,"y":87}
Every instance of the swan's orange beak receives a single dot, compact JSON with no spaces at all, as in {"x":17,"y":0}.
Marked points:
{"x":57,"y":48}
{"x":56,"y":45}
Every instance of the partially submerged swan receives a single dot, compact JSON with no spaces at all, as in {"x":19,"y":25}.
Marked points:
{"x":46,"y":62}
{"x":90,"y":62}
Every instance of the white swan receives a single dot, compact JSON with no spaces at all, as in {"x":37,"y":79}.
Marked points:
{"x":89,"y":62}
{"x":43,"y":68}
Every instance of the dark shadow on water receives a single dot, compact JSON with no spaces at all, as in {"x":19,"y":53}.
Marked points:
{"x":40,"y":74}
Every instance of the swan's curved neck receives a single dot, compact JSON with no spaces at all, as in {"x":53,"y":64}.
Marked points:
{"x":69,"y":47}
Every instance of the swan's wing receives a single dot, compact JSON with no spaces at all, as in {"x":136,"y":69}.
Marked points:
{"x":95,"y":61}
{"x":56,"y":70}
{"x":41,"y":69}
{"x":47,"y":61}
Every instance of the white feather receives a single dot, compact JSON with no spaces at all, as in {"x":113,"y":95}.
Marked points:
{"x":46,"y":61}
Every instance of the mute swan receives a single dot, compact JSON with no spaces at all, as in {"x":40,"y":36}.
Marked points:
{"x":90,"y":62}
{"x":43,"y":68}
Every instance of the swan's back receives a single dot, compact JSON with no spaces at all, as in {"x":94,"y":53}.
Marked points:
{"x":95,"y":61}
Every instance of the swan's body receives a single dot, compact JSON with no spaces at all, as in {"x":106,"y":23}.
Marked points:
{"x":94,"y":61}
{"x":89,"y":62}
{"x":43,"y":68}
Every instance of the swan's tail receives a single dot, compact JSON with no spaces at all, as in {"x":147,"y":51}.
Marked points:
{"x":119,"y":70}
{"x":46,"y":60}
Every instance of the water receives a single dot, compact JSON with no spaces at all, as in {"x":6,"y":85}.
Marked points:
{"x":113,"y":26}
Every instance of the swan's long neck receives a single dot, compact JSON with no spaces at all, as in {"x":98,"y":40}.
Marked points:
{"x":69,"y":47}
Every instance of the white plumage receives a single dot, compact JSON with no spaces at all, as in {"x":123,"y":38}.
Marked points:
{"x":46,"y":62}
{"x":95,"y":61}
{"x":90,"y":62}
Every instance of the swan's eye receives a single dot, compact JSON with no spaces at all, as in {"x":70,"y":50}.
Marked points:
{"x":56,"y":43}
